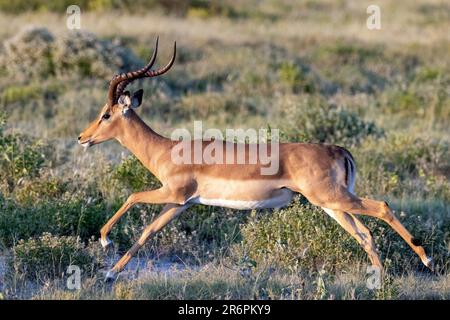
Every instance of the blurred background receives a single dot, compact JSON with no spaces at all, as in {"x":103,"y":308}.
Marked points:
{"x":312,"y":69}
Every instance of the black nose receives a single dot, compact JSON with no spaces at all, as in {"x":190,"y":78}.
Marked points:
{"x":79,"y":137}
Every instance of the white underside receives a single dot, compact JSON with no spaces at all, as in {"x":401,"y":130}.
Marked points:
{"x":330,"y":212}
{"x":278,"y":201}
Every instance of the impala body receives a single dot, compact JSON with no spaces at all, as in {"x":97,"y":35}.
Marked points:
{"x":324,"y":174}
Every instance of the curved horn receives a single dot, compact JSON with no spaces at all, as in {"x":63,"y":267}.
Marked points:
{"x":147,"y":74}
{"x":121,"y":80}
{"x":155,"y":73}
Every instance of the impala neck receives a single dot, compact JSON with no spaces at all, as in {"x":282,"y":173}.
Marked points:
{"x":142,"y":141}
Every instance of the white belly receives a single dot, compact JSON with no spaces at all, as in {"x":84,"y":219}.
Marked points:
{"x":282,"y":199}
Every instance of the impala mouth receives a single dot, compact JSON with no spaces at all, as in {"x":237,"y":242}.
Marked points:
{"x":85,"y":144}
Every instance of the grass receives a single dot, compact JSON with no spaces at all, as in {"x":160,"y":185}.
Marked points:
{"x":219,"y":282}
{"x":311,"y":69}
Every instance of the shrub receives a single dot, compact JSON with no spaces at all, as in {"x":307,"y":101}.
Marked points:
{"x":58,"y":216}
{"x":21,"y":93}
{"x":84,"y":53}
{"x":300,"y":237}
{"x":303,"y":238}
{"x":202,"y":232}
{"x":401,"y":164}
{"x":423,"y":96}
{"x":313,"y":120}
{"x":29,"y":52}
{"x":21,"y":157}
{"x":44,"y":188}
{"x":295,"y":78}
{"x":48,"y":256}
{"x":428,"y":221}
{"x":37,"y":52}
{"x":131,"y":174}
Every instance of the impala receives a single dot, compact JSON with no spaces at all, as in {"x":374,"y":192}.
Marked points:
{"x":324,"y":174}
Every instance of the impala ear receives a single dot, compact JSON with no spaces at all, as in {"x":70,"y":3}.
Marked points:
{"x":124,"y":100}
{"x":127,"y":102}
{"x":136,"y":99}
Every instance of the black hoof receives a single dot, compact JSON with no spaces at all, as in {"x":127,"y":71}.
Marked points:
{"x":110,"y":277}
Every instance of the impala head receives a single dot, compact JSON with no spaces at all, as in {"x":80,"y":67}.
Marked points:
{"x":117,"y":113}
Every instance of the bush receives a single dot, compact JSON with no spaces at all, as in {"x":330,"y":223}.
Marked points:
{"x":29,"y":53}
{"x":37,"y":52}
{"x":428,"y":221}
{"x":295,"y":78}
{"x":62,"y":217}
{"x":48,"y":256}
{"x":315,"y":121}
{"x":299,"y":238}
{"x":423,"y":96}
{"x":401,"y":164}
{"x":21,"y":94}
{"x":357,"y":67}
{"x":21,"y":157}
{"x":202,"y":232}
{"x":131,"y":174}
{"x":87,"y":55}
{"x":303,"y":238}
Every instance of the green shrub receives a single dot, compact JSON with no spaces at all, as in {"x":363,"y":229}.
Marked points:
{"x":48,"y":256}
{"x":37,"y":52}
{"x":296,"y":78}
{"x":20,"y":157}
{"x":313,"y":120}
{"x":201,"y":232}
{"x":428,"y":221}
{"x":21,"y":93}
{"x":303,"y":238}
{"x":75,"y":217}
{"x":299,"y":238}
{"x":44,"y":188}
{"x":132,"y":174}
{"x":89,"y":56}
{"x":401,"y":164}
{"x":423,"y":95}
{"x":29,"y":53}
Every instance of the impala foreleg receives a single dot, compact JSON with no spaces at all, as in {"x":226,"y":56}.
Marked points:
{"x":157,"y":196}
{"x":169,"y":212}
{"x":358,"y":231}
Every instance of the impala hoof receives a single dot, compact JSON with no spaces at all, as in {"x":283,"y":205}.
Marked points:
{"x":429,"y":263}
{"x":106,"y":243}
{"x":111,"y":276}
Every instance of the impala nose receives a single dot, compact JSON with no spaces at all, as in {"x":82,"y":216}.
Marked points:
{"x":79,"y":138}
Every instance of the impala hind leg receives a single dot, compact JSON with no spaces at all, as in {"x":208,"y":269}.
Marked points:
{"x":358,"y":231}
{"x":378,"y":209}
{"x":169,"y":212}
{"x":153,"y":196}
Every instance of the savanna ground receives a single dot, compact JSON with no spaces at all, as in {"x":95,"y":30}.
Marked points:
{"x":311,"y":69}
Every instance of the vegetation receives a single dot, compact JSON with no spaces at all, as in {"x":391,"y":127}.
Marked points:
{"x":279,"y":64}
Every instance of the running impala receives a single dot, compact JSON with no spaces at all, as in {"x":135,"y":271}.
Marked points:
{"x":324,"y":174}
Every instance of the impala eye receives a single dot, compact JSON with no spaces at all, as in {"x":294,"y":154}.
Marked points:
{"x":106,"y":116}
